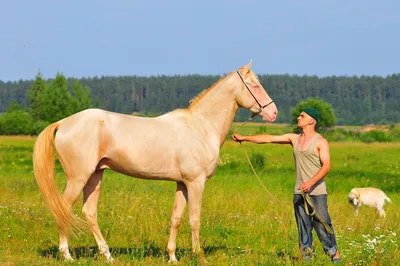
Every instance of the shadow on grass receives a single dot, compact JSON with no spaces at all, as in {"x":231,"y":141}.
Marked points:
{"x":285,"y":256}
{"x":133,"y":252}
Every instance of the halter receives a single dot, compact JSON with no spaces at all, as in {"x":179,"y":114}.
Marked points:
{"x":261,"y":107}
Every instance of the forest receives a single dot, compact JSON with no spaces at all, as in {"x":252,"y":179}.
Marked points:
{"x":356,"y":100}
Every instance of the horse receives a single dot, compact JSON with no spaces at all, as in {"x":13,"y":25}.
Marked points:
{"x":181,"y":146}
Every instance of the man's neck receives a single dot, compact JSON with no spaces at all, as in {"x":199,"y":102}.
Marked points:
{"x":309,"y":132}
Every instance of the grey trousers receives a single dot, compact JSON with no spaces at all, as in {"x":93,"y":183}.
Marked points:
{"x":305,"y":224}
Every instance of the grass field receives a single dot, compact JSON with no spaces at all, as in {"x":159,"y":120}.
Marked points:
{"x":241,"y":224}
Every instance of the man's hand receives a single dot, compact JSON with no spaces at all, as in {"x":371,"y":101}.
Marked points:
{"x":306,"y":186}
{"x":237,"y":137}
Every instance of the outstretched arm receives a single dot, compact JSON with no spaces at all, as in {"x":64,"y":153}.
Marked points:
{"x":264,"y":138}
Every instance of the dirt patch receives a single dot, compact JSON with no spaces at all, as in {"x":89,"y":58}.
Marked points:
{"x":367,"y":128}
{"x":374,"y":127}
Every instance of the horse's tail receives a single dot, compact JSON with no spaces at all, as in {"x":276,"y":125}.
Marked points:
{"x":387,"y":199}
{"x":43,"y":166}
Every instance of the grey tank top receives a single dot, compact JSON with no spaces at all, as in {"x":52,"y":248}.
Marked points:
{"x":307,"y":165}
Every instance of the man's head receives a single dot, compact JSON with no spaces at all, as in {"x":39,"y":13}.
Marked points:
{"x":309,"y":116}
{"x":312,"y":112}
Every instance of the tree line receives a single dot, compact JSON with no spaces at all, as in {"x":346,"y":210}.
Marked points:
{"x":46,"y":102}
{"x":355,"y":100}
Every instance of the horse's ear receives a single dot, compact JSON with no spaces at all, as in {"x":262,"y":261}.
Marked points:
{"x":247,"y":68}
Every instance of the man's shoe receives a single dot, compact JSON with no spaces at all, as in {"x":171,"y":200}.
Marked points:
{"x":337,"y":259}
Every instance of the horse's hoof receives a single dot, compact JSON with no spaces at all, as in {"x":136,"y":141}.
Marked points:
{"x":173,"y":261}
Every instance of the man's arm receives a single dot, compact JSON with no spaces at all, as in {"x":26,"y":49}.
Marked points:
{"x":324,"y":156}
{"x":264,"y":138}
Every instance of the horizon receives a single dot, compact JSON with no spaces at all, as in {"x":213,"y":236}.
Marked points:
{"x":186,"y":75}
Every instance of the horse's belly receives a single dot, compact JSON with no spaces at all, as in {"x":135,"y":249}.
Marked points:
{"x":145,"y":170}
{"x":151,"y":157}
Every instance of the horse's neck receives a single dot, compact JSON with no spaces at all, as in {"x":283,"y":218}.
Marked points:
{"x":216,"y":110}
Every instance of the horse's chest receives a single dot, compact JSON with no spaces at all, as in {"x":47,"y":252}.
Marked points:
{"x":199,"y":162}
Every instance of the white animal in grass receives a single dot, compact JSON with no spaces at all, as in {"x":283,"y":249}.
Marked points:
{"x":369,"y":196}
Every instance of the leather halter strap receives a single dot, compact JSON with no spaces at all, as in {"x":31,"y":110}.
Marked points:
{"x":261,"y":106}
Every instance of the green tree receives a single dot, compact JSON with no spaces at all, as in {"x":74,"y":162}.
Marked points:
{"x":80,"y":97}
{"x":14,"y":106}
{"x":36,"y":98}
{"x":327,"y":117}
{"x":16,"y":122}
{"x":57,"y":101}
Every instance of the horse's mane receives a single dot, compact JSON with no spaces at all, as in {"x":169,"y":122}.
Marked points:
{"x":196,"y":99}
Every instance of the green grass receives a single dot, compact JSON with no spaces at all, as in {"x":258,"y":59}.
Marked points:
{"x":241,"y":224}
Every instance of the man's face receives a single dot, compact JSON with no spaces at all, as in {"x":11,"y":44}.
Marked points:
{"x":303,"y":120}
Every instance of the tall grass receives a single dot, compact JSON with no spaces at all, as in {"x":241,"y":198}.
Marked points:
{"x":240,"y":223}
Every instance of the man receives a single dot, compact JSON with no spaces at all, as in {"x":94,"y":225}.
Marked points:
{"x":312,"y":161}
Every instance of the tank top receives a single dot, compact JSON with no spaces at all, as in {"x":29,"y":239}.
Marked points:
{"x":307,"y":165}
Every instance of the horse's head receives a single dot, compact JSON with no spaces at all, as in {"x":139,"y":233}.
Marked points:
{"x":253,"y":96}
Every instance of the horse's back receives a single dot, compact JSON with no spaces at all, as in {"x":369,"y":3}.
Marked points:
{"x":103,"y":127}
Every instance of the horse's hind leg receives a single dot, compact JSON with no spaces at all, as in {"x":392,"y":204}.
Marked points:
{"x":381,"y":211}
{"x":91,"y":194}
{"x":71,"y":194}
{"x":176,"y":218}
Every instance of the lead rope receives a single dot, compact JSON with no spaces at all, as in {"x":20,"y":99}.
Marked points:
{"x":308,"y":203}
{"x":252,"y":167}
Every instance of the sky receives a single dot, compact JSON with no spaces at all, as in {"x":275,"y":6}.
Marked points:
{"x":114,"y":38}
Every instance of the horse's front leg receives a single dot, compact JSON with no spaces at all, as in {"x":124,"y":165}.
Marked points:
{"x":195,"y":195}
{"x":181,"y":195}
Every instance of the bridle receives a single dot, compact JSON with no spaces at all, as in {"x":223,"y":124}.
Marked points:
{"x":261,"y":106}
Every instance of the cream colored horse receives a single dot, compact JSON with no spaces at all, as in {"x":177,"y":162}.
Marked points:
{"x":181,"y":146}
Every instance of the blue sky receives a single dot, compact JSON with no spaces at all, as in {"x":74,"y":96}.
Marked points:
{"x":93,"y":38}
